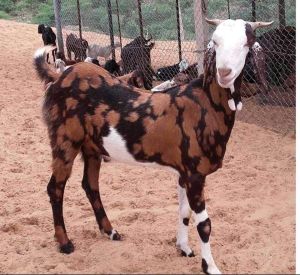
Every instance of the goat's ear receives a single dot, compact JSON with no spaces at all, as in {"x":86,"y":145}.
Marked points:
{"x":259,"y":64}
{"x":209,"y":63}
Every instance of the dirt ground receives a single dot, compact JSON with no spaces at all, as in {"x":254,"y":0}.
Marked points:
{"x":251,"y":200}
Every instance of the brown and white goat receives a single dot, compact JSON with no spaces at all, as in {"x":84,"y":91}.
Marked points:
{"x":187,"y":128}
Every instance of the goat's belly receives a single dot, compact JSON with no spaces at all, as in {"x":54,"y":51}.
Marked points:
{"x":115,"y":145}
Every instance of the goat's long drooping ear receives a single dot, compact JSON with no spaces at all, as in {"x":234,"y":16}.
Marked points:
{"x":258,"y":61}
{"x":209,"y":63}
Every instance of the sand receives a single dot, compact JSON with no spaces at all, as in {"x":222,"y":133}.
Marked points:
{"x":251,"y":200}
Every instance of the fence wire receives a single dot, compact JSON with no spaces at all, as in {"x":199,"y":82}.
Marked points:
{"x":178,"y":31}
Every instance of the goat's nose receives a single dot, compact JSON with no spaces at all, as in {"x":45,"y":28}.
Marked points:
{"x":224,"y":71}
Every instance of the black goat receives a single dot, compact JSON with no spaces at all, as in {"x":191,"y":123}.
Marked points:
{"x":136,"y":55}
{"x":279,"y":46}
{"x":49,"y":38}
{"x":77,"y":46}
{"x":112,"y":66}
{"x":168,"y":72}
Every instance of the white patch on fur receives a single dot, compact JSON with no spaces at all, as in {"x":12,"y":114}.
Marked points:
{"x":256,"y":46}
{"x":113,"y":232}
{"x":231,"y":104}
{"x":230,"y":53}
{"x":201,"y":217}
{"x":184,"y":212}
{"x":116,"y":147}
{"x":183,"y":65}
{"x":163,"y":86}
{"x":89,"y":59}
{"x":239,"y":106}
{"x":60,"y":65}
{"x":205,"y":247}
{"x":39,"y":52}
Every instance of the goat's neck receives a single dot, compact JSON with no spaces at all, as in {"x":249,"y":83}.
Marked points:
{"x":219,"y":97}
{"x":221,"y":117}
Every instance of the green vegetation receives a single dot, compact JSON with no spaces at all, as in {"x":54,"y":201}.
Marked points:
{"x":4,"y":15}
{"x":159,"y":16}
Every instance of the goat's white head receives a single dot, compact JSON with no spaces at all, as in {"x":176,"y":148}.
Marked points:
{"x":231,"y":42}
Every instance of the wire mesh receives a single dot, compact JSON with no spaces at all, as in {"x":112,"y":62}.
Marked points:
{"x":164,"y":21}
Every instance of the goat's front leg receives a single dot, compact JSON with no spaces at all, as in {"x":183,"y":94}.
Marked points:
{"x":183,"y":223}
{"x":195,"y":196}
{"x":90,"y":185}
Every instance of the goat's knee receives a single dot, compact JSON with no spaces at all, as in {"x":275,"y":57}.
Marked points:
{"x":204,"y":229}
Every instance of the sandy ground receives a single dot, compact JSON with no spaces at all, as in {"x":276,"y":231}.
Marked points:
{"x":251,"y":201}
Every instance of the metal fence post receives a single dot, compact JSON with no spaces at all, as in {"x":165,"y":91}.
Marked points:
{"x":79,"y":19}
{"x":200,"y":12}
{"x":178,"y":31}
{"x":119,"y":26}
{"x":111,"y":30}
{"x":57,"y":13}
{"x":140,"y":18}
{"x":253,"y":11}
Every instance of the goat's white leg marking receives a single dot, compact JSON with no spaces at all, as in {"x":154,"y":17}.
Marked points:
{"x":204,"y":228}
{"x":184,"y":217}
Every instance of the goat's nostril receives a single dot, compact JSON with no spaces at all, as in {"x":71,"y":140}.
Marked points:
{"x":224,"y":71}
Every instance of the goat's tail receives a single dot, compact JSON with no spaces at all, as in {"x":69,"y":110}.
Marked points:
{"x":41,"y":66}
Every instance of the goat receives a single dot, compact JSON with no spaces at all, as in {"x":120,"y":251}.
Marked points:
{"x":77,"y":46}
{"x":92,"y":60}
{"x":61,"y":63}
{"x":280,"y":51}
{"x":135,"y":79}
{"x":88,"y":110}
{"x":166,"y":73}
{"x":112,"y":66}
{"x":49,"y":38}
{"x":183,"y":77}
{"x":95,"y":50}
{"x":136,"y":55}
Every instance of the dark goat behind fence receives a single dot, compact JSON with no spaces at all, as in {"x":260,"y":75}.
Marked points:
{"x":49,"y":38}
{"x":136,"y":55}
{"x":76,"y":45}
{"x":280,"y":50}
{"x":112,"y":66}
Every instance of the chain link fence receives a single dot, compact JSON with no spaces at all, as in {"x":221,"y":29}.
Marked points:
{"x":178,"y":31}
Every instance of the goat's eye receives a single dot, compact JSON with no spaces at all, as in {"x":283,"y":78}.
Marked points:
{"x":215,"y":43}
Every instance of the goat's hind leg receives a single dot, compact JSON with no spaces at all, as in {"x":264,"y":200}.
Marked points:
{"x":90,"y":184}
{"x":61,"y":166}
{"x":184,"y":218}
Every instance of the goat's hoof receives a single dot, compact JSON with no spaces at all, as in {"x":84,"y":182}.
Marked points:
{"x":67,"y":248}
{"x":115,"y":236}
{"x":191,"y":254}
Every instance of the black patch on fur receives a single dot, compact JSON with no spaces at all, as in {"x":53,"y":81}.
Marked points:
{"x":204,"y":266}
{"x":116,"y":236}
{"x":183,"y":254}
{"x":186,"y":221}
{"x":201,"y":226}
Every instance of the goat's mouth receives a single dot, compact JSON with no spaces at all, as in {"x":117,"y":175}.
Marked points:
{"x":225,"y":82}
